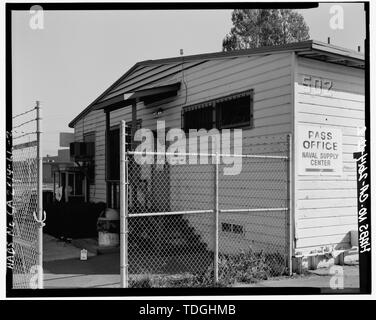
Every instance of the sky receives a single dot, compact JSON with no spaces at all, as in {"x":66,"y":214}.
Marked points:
{"x":78,"y":54}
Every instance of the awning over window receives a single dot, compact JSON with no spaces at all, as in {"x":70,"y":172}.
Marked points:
{"x":147,"y":95}
{"x":211,"y":102}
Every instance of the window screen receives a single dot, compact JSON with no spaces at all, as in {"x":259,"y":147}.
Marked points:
{"x":198,"y":117}
{"x":231,"y":111}
{"x":234,"y":113}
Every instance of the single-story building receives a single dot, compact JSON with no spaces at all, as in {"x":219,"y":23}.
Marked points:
{"x":310,"y":90}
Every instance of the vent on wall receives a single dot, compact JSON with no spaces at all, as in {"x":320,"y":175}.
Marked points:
{"x":233,"y":228}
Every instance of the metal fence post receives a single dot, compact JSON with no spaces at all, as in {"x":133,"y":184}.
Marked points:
{"x":289,"y":204}
{"x":216,"y":215}
{"x":40,"y":195}
{"x":123,"y":208}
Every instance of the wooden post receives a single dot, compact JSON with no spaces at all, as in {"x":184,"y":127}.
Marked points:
{"x":134,"y":124}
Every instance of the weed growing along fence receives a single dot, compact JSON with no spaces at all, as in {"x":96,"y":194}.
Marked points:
{"x":188,"y":224}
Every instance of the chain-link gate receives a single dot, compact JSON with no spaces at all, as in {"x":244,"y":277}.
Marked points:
{"x":185,"y":224}
{"x":27,"y":200}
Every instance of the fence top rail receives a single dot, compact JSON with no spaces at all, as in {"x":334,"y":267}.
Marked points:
{"x":252,"y":210}
{"x":201,"y":154}
{"x":170,"y":213}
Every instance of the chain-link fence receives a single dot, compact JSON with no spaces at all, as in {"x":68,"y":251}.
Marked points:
{"x":254,"y":219}
{"x":204,"y":219}
{"x":26,"y":200}
{"x":171,"y":226}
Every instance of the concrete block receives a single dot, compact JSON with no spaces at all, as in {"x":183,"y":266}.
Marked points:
{"x":340,"y":258}
{"x":313,"y":262}
{"x":299,"y":264}
{"x":321,"y":260}
{"x":351,"y":257}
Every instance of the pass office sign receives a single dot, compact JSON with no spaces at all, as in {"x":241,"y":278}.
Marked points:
{"x":319,"y":151}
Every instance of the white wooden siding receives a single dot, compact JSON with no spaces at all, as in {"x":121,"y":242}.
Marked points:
{"x":325,"y":207}
{"x":95,"y":121}
{"x":269,"y":76}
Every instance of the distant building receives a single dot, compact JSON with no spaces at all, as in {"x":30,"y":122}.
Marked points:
{"x":52,"y":161}
{"x":64,"y":174}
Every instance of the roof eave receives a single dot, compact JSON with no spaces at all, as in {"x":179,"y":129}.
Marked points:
{"x":88,"y":108}
{"x":311,"y":45}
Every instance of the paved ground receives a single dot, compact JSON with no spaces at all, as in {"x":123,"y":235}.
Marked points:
{"x":345,"y":278}
{"x":54,"y":249}
{"x":97,"y":271}
{"x":64,"y":269}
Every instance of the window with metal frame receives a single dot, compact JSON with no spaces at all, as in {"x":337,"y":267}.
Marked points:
{"x":232,"y":111}
{"x":199,"y":116}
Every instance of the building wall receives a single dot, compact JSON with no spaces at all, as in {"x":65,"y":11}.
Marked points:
{"x":270,"y":78}
{"x":95,"y":121}
{"x":63,"y":155}
{"x":268,"y":75}
{"x":325,"y":206}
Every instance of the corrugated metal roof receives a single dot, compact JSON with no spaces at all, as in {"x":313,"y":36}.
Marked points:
{"x":144,"y":94}
{"x":159,"y":69}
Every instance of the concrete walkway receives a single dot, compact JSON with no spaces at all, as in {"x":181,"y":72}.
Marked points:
{"x":64,"y":269}
{"x":55,"y":249}
{"x":97,"y":271}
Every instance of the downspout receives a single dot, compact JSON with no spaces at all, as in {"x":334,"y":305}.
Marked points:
{"x":134,"y":124}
